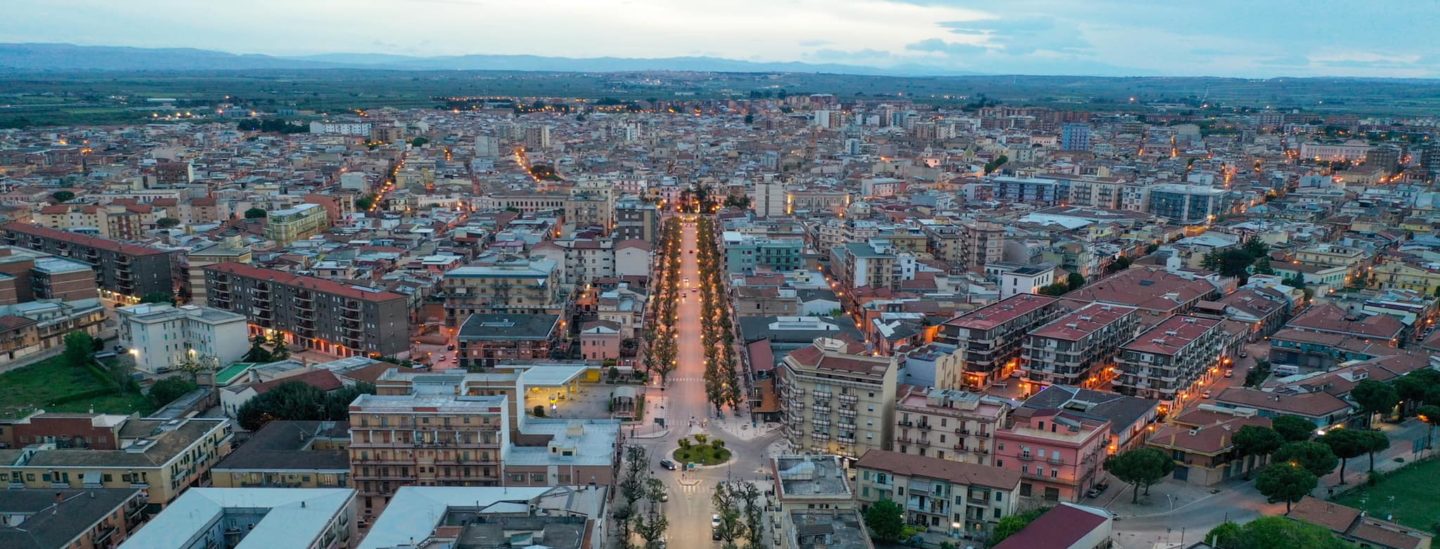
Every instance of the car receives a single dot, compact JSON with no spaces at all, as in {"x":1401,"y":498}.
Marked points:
{"x":714,"y":527}
{"x":1092,"y":493}
{"x":1205,"y":394}
{"x":1244,"y":354}
{"x":664,"y":495}
{"x":1229,"y":373}
{"x":450,"y":347}
{"x":670,"y":465}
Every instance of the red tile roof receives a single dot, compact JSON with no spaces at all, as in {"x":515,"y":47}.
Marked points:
{"x":1084,"y":321}
{"x":81,"y":240}
{"x":1000,"y":312}
{"x":937,"y":468}
{"x":323,"y":380}
{"x":308,"y":282}
{"x":1059,"y":528}
{"x":1326,"y":317}
{"x":1168,"y":337}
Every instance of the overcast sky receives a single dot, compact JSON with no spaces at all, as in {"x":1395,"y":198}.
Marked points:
{"x":1250,"y":38}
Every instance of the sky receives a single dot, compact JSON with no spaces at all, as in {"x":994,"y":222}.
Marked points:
{"x":1240,"y":38}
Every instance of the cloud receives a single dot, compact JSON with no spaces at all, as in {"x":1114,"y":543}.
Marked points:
{"x":1022,"y":35}
{"x":936,"y":45}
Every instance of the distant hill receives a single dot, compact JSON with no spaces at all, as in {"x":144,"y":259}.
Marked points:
{"x":69,"y":57}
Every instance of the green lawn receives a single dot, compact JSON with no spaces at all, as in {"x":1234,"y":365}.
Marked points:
{"x":1413,"y":490}
{"x":38,"y":385}
{"x":702,"y":455}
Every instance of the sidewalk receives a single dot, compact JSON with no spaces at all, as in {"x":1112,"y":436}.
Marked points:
{"x":740,"y":428}
{"x":1165,"y":496}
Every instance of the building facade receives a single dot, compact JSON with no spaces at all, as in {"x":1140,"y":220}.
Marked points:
{"x":1165,"y":361}
{"x":837,"y":401}
{"x":160,"y":337}
{"x":124,"y":272}
{"x":1079,"y":347}
{"x":990,"y":339}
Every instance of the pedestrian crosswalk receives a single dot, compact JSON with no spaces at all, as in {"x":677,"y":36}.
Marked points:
{"x":696,"y":488}
{"x":687,"y":379}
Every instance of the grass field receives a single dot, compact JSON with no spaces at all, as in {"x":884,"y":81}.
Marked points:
{"x":1409,"y":495}
{"x":702,"y":454}
{"x":39,"y":385}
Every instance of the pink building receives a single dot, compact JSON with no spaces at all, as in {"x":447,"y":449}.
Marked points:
{"x":1058,"y":453}
{"x":600,"y":340}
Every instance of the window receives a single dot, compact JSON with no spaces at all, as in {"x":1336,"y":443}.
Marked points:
{"x":997,"y":513}
{"x":999,"y":496}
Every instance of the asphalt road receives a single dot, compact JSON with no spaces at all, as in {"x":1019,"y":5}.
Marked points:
{"x":689,"y":508}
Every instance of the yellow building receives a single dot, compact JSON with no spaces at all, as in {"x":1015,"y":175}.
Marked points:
{"x":163,"y":457}
{"x":1405,"y":276}
{"x":289,"y":454}
{"x":290,"y":224}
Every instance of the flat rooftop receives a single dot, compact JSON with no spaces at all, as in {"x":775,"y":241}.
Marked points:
{"x":288,"y":516}
{"x":811,"y":477}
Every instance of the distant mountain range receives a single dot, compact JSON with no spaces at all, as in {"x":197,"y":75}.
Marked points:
{"x":32,"y":57}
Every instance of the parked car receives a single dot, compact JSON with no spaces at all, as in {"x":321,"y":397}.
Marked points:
{"x":1243,"y":354}
{"x":1092,"y":493}
{"x":1205,"y":394}
{"x":668,"y":464}
{"x":714,"y":527}
{"x":1229,"y":373}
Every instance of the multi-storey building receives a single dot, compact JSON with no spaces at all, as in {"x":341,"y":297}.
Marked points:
{"x":1167,"y":359}
{"x":971,"y":245}
{"x":425,"y":440}
{"x":811,"y":482}
{"x":163,"y":456}
{"x":161,"y":336}
{"x":230,"y":249}
{"x":1185,"y":204}
{"x":990,"y":338}
{"x":946,"y":497}
{"x":769,"y":199}
{"x":28,"y":328}
{"x":744,"y":253}
{"x":1058,"y":453}
{"x":289,"y":454}
{"x":123,"y":272}
{"x":836,"y":400}
{"x":1075,"y":137}
{"x":1079,"y":347}
{"x":28,"y":275}
{"x":313,"y":313}
{"x":1030,"y":190}
{"x":486,"y":340}
{"x":315,"y":518}
{"x":291,"y":224}
{"x":948,"y":424}
{"x":70,"y":519}
{"x":861,"y":265}
{"x":590,"y":207}
{"x":511,"y":285}
{"x":636,"y":220}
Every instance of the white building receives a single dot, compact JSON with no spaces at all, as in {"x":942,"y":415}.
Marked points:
{"x":357,"y":129}
{"x":1021,"y":279}
{"x":162,"y":336}
{"x":320,"y":518}
{"x":769,"y":199}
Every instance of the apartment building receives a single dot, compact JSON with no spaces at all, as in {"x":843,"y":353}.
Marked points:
{"x":291,"y":224}
{"x":484,"y":341}
{"x":990,"y":338}
{"x":160,"y":336}
{"x":961,"y":500}
{"x":289,"y":454}
{"x":315,"y":518}
{"x":745,"y":253}
{"x":860,"y":264}
{"x":970,"y":244}
{"x":509,"y":285}
{"x":123,"y":272}
{"x":948,"y":424}
{"x":230,"y":249}
{"x":28,"y":275}
{"x":32,"y":327}
{"x":1058,"y":453}
{"x":425,"y":440}
{"x":162,"y":456}
{"x":313,"y":313}
{"x":636,"y":220}
{"x":837,"y":400}
{"x":1079,"y":347}
{"x":1164,"y":361}
{"x":70,"y":519}
{"x":1185,"y":204}
{"x":811,"y":482}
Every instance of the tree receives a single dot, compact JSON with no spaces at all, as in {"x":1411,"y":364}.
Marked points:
{"x":365,"y":202}
{"x":78,"y":348}
{"x":1254,"y":440}
{"x":1141,"y":466}
{"x":1313,"y":456}
{"x":1286,"y":482}
{"x":158,"y":297}
{"x":1430,"y":414}
{"x":167,"y":222}
{"x":1346,"y":444}
{"x":167,"y":390}
{"x":1121,"y":263}
{"x":419,"y":142}
{"x":1270,"y":532}
{"x":1293,"y":428}
{"x":279,"y":351}
{"x":62,"y":196}
{"x":1056,"y":289}
{"x":1374,"y":441}
{"x":1374,"y":397}
{"x":296,"y":401}
{"x":1075,"y":281}
{"x":1415,"y":386}
{"x":258,"y":352}
{"x":255,"y":213}
{"x":1012,"y":524}
{"x":885,"y":519}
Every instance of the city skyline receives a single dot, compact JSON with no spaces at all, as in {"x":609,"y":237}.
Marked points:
{"x":1107,"y":38}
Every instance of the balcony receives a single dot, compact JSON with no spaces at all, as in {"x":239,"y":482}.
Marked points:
{"x":821,"y":409}
{"x":823,"y":396}
{"x":924,"y":426}
{"x":1024,"y":457}
{"x":849,"y":399}
{"x":847,"y":412}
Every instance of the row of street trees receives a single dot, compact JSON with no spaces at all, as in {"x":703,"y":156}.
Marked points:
{"x":639,"y":511}
{"x":660,"y":335}
{"x":722,"y":386}
{"x":741,"y":510}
